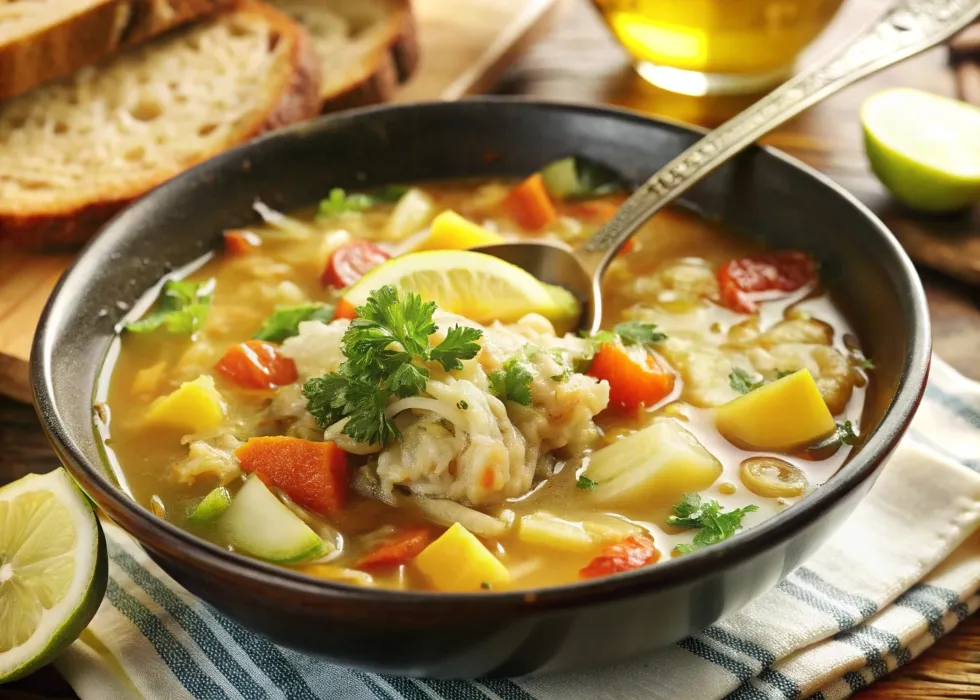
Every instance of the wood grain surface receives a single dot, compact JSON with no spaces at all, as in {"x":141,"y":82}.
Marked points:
{"x":465,"y":47}
{"x":578,"y":61}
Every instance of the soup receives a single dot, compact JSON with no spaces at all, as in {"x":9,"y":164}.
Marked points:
{"x":322,"y":395}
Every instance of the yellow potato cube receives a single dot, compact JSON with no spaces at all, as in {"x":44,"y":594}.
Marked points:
{"x":781,"y":415}
{"x":458,"y":561}
{"x":550,"y":531}
{"x":656,"y":465}
{"x":450,"y":231}
{"x":194,"y":406}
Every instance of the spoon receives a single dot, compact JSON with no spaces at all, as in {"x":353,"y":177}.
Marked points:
{"x":907,"y":28}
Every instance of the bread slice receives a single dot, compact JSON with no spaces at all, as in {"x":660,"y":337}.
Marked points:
{"x":41,"y":40}
{"x":75,"y":151}
{"x":366,"y":47}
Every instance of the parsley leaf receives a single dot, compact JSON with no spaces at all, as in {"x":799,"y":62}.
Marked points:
{"x":638,"y":333}
{"x":284,"y":321}
{"x":742,"y":382}
{"x":513,"y":382}
{"x":783,"y":373}
{"x":385,"y":348}
{"x":182,"y":308}
{"x":586,"y":483}
{"x":864,"y":362}
{"x":339,"y":202}
{"x":713,"y":525}
{"x":845,"y":433}
{"x":563,"y":377}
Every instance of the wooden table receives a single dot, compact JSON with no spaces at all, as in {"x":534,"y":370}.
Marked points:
{"x":579,"y":61}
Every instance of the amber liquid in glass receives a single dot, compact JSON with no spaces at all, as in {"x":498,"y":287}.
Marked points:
{"x":738,"y":40}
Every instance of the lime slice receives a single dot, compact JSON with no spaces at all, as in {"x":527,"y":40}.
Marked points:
{"x":53,"y":570}
{"x":924,"y":148}
{"x":475,"y":285}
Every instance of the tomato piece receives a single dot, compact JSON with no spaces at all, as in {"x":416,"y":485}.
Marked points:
{"x":631,"y":553}
{"x":351,"y":262}
{"x":257,"y":364}
{"x":312,"y":474}
{"x":397,"y":550}
{"x":744,"y":280}
{"x":240,"y":241}
{"x":635,"y":378}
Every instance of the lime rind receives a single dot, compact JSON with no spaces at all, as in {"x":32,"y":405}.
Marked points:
{"x":210,"y":507}
{"x":68,"y":610}
{"x":924,"y":148}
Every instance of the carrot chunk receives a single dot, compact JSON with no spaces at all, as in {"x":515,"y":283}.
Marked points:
{"x":529,"y":205}
{"x":350,"y":262}
{"x":633,"y":381}
{"x":239,"y":241}
{"x":257,"y":364}
{"x":631,"y":553}
{"x":312,"y":474}
{"x":345,"y":310}
{"x":743,"y":281}
{"x":397,"y":550}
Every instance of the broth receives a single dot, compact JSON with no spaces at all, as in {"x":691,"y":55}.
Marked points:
{"x":669,"y":278}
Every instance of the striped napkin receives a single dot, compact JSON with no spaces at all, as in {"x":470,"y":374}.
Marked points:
{"x":903,"y":571}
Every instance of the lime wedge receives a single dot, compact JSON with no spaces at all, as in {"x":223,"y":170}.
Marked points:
{"x":924,"y":148}
{"x":53,"y":570}
{"x":475,"y":285}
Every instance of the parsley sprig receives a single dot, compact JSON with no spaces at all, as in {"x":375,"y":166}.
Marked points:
{"x":182,"y":308}
{"x":386,"y":346}
{"x":743,"y":382}
{"x":284,"y":321}
{"x":513,"y":381}
{"x":713,"y":525}
{"x":340,"y":202}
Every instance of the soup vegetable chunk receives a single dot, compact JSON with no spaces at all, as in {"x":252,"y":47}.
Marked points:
{"x":353,"y":393}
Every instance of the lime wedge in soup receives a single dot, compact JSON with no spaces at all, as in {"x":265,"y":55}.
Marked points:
{"x":53,"y":570}
{"x":924,"y":148}
{"x":479,"y":286}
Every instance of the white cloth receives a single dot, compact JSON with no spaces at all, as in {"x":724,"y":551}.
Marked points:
{"x":900,"y":573}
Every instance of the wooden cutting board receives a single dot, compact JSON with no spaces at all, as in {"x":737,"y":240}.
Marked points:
{"x":466,"y":46}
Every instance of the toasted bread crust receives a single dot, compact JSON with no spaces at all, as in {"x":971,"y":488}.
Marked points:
{"x":395,"y":60}
{"x":297,"y":99}
{"x":89,"y":36}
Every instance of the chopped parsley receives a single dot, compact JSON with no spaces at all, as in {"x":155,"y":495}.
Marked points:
{"x":513,"y":381}
{"x":385,"y":348}
{"x":182,"y":308}
{"x":846,"y":434}
{"x":586,"y":483}
{"x":462,"y":405}
{"x":486,"y":585}
{"x":563,"y":377}
{"x":339,"y":202}
{"x":284,"y":321}
{"x":629,"y":333}
{"x":784,"y":373}
{"x":713,"y":525}
{"x":743,"y":382}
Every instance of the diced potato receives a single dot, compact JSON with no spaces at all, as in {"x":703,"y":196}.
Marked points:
{"x":458,"y":561}
{"x":781,"y":415}
{"x":194,"y":406}
{"x":655,"y":465}
{"x":450,"y":231}
{"x":548,"y":530}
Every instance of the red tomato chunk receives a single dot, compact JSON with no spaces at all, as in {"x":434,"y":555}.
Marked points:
{"x":257,"y":364}
{"x":744,"y":280}
{"x":350,"y":262}
{"x":312,"y":474}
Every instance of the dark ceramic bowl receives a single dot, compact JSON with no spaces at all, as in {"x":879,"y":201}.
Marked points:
{"x":762,"y":193}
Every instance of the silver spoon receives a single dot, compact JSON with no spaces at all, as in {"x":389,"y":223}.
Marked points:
{"x":907,"y":28}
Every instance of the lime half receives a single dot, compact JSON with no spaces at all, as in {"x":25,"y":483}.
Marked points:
{"x":53,"y":570}
{"x":924,"y":148}
{"x":479,"y":286}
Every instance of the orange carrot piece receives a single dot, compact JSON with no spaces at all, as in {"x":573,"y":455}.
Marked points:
{"x":529,"y":205}
{"x":312,"y":474}
{"x":345,"y":310}
{"x":257,"y":364}
{"x":397,"y":550}
{"x":633,"y":381}
{"x":631,"y":553}
{"x":240,"y":241}
{"x":627,"y":247}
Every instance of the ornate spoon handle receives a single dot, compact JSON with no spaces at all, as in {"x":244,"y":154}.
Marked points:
{"x":909,"y":27}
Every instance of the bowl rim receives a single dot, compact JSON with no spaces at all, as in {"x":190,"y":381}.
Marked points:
{"x":158,"y":534}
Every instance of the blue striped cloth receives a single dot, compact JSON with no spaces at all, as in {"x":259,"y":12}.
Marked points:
{"x":903,"y":571}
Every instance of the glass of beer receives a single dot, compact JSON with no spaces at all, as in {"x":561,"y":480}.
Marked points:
{"x":701,"y":47}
